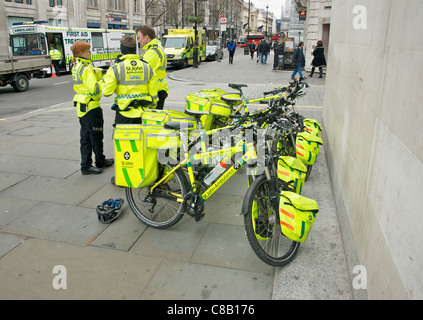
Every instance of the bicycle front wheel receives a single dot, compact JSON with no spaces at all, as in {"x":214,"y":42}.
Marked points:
{"x":262,"y":224}
{"x":159,"y":209}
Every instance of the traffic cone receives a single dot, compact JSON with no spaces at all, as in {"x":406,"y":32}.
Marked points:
{"x":53,"y":72}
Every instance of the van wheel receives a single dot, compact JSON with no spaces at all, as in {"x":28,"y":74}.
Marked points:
{"x":21,"y":84}
{"x":185,"y":64}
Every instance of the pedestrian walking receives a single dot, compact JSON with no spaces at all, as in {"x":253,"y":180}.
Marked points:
{"x":252,"y":50}
{"x":55,"y":56}
{"x":259,"y":45}
{"x":87,"y":103}
{"x":134,"y":83}
{"x":156,"y":58}
{"x":231,"y":49}
{"x":319,"y":59}
{"x":265,"y":49}
{"x":298,"y":61}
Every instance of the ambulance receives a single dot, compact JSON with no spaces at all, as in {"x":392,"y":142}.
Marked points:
{"x":179,"y":47}
{"x":36,"y":39}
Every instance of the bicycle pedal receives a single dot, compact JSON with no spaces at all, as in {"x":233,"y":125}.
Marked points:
{"x":199,"y":216}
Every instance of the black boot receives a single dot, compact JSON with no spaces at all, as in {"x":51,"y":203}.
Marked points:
{"x":321,"y":72}
{"x":312,"y":72}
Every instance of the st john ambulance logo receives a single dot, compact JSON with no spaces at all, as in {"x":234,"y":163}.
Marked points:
{"x":134,"y":63}
{"x":127,"y":155}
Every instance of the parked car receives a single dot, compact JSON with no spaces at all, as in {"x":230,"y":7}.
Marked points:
{"x":213,"y":52}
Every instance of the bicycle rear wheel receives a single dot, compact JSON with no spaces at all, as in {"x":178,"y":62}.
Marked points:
{"x":159,"y":209}
{"x":262,"y":224}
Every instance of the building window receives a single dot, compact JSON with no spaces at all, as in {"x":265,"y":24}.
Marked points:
{"x":92,"y":3}
{"x":116,"y":5}
{"x":53,"y":3}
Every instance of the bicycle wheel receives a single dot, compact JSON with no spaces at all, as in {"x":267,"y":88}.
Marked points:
{"x":262,"y":224}
{"x":309,"y":167}
{"x":159,"y":209}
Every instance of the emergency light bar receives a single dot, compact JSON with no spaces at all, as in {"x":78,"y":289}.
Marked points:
{"x":29,"y":22}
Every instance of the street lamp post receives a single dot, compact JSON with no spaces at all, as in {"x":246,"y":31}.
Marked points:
{"x":248,"y":30}
{"x":267,"y":12}
{"x":195,"y":65}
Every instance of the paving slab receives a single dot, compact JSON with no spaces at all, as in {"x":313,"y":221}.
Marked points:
{"x":13,"y":207}
{"x":9,"y":179}
{"x":54,"y":190}
{"x":57,"y":222}
{"x":227,"y":246}
{"x":38,"y":166}
{"x":190,"y":281}
{"x":91,"y":273}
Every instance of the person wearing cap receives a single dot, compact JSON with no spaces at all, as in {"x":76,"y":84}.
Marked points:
{"x":298,"y":61}
{"x":134,"y":83}
{"x":87,"y":103}
{"x":156,"y":58}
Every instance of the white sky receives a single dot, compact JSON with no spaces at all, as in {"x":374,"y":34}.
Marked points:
{"x":275,"y":6}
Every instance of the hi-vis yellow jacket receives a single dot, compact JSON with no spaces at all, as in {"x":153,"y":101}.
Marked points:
{"x":55,"y":54}
{"x":156,"y":58}
{"x":88,"y":93}
{"x":131,"y":79}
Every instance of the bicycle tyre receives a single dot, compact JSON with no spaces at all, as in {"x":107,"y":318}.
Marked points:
{"x":309,"y":167}
{"x":165,"y":209}
{"x":262,"y":225}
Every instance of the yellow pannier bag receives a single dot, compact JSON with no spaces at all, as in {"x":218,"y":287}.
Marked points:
{"x":296,"y":215}
{"x":162,"y":140}
{"x":219,"y":108}
{"x":197,"y":104}
{"x":136,"y":164}
{"x":182,"y":117}
{"x":307,"y":147}
{"x":207,"y":107}
{"x":313,"y":127}
{"x":293,"y":172}
{"x":213,"y":93}
{"x":152,"y":116}
{"x":160,"y":117}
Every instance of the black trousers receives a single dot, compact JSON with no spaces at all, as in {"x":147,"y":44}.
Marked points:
{"x":56,"y":66}
{"x":92,"y":138}
{"x":231,"y":57}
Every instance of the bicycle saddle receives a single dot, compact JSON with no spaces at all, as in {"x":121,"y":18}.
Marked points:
{"x":237,"y":85}
{"x":175,"y":125}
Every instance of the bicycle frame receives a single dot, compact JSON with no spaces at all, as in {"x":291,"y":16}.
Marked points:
{"x":249,"y":153}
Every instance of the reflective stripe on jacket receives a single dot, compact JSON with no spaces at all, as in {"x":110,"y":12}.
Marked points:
{"x":131,"y":79}
{"x":156,"y":58}
{"x":87,"y":89}
{"x":55,"y":54}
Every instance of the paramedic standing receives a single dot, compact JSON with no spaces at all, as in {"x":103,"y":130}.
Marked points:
{"x":55,"y":55}
{"x":134,"y":83}
{"x":87,"y":103}
{"x":156,"y":58}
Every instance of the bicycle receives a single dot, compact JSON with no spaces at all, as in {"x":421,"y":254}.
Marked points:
{"x":179,"y":190}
